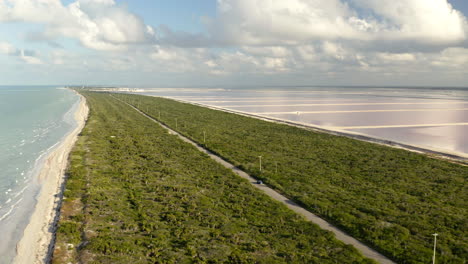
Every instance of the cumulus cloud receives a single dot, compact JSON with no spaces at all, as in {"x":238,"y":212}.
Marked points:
{"x":418,"y":20}
{"x":37,"y":11}
{"x":258,"y":22}
{"x":176,"y":59}
{"x":97,"y":24}
{"x":102,"y":25}
{"x":269,"y":37}
{"x":393,"y":26}
{"x":298,"y":22}
{"x":203,"y":60}
{"x":452,"y":58}
{"x":28,"y":56}
{"x":396,"y":57}
{"x":273,"y":51}
{"x":334,"y":50}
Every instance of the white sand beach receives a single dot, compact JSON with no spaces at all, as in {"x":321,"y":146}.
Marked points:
{"x":34,"y":245}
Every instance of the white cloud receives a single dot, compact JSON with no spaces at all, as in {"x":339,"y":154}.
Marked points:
{"x":453,"y":58}
{"x":38,"y":11}
{"x":396,"y":57}
{"x":276,"y":64}
{"x":273,"y":51}
{"x":27,"y":56}
{"x":104,"y":26}
{"x":418,"y":20}
{"x":97,"y":24}
{"x":274,"y":38}
{"x":175,"y":59}
{"x":7,"y":48}
{"x":202,"y":60}
{"x":307,"y":52}
{"x":287,"y":22}
{"x":334,"y":50}
{"x":30,"y":59}
{"x":299,"y":22}
{"x":164,"y":54}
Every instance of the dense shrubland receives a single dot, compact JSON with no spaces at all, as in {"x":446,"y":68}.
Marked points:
{"x":136,"y":194}
{"x":392,"y":199}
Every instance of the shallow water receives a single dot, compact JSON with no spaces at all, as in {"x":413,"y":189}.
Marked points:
{"x":33,"y":121}
{"x":433,"y":118}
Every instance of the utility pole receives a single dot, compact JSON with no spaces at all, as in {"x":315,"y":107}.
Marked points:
{"x":260,"y":159}
{"x":176,"y":123}
{"x":204,"y":137}
{"x":435,"y":245}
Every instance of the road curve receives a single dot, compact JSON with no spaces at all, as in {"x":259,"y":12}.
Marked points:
{"x":340,"y":235}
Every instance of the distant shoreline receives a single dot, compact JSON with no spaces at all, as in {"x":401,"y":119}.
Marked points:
{"x":34,"y":246}
{"x":116,"y":88}
{"x":435,"y":152}
{"x":452,"y":156}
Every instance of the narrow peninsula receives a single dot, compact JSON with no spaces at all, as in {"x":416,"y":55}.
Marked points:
{"x":136,"y":193}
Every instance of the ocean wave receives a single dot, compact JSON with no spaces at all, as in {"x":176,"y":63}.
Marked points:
{"x":21,"y":191}
{"x":27,"y":136}
{"x":12,"y":207}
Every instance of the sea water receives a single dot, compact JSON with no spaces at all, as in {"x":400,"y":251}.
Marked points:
{"x":33,"y":120}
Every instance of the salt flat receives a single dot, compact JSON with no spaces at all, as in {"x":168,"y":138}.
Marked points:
{"x":433,"y":118}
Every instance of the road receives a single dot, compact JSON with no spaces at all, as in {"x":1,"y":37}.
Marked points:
{"x":340,"y":235}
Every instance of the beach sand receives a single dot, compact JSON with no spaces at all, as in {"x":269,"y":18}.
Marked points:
{"x":36,"y":241}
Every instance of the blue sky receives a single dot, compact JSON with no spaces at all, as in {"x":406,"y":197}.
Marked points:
{"x":179,"y":14}
{"x":461,"y":5}
{"x":234,"y":42}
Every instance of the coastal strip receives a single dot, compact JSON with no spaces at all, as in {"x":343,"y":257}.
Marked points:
{"x":339,"y":234}
{"x":457,"y":157}
{"x":135,"y":193}
{"x":373,"y":192}
{"x":34,"y":246}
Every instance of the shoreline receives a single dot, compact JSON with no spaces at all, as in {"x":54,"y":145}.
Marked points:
{"x":34,"y":246}
{"x":434,"y":153}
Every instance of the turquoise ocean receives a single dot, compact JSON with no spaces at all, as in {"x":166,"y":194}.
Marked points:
{"x":33,"y":120}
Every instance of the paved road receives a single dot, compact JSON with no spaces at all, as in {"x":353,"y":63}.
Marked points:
{"x":340,"y":235}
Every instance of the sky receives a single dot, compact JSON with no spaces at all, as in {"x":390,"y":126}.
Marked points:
{"x":186,"y":43}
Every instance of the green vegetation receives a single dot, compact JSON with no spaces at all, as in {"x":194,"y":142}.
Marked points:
{"x":390,"y":198}
{"x":136,"y":194}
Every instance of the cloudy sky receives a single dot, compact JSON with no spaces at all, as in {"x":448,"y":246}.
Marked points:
{"x":234,"y":42}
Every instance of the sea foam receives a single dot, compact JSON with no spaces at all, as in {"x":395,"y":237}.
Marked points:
{"x":34,"y":121}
